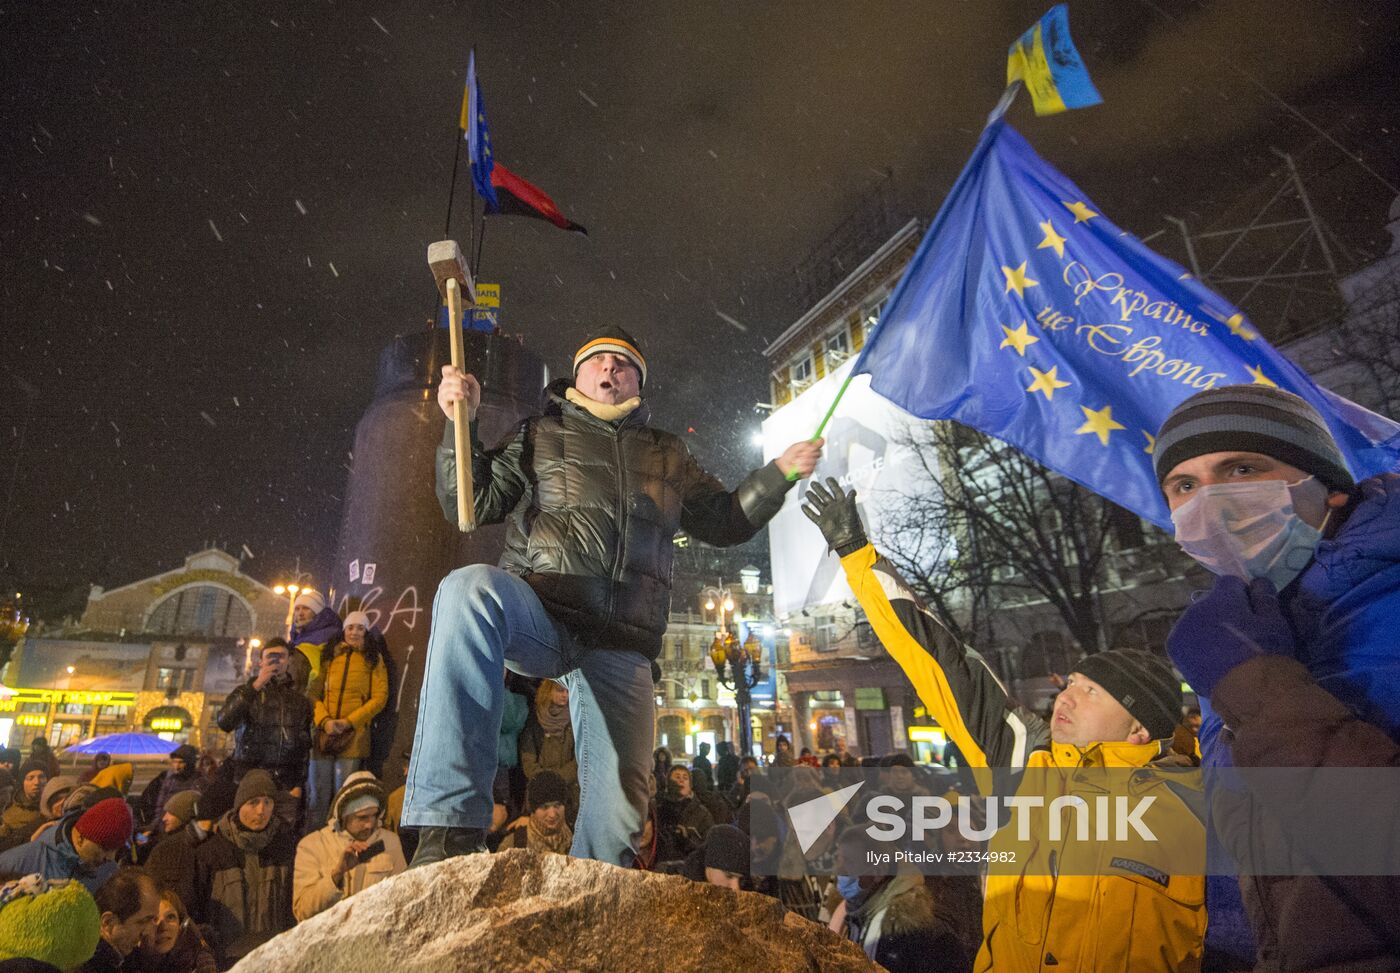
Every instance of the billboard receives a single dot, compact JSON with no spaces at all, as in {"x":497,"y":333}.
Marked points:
{"x":95,"y":666}
{"x":866,"y":448}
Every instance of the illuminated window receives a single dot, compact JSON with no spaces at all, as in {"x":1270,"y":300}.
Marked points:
{"x":201,"y":610}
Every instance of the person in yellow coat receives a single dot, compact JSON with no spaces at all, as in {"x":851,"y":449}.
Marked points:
{"x":115,"y":775}
{"x":1084,"y":905}
{"x":354,"y":687}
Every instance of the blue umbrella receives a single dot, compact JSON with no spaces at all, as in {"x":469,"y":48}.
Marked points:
{"x":125,"y":745}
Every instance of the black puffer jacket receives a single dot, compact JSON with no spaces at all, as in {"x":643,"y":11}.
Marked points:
{"x":592,"y":507}
{"x":273,"y":728}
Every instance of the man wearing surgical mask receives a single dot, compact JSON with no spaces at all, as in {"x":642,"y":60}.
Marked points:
{"x":1306,"y":599}
{"x":1308,"y":562}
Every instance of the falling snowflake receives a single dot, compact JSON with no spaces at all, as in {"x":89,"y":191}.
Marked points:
{"x":301,"y":207}
{"x":217,"y":235}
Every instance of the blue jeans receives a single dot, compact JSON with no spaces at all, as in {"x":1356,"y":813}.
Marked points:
{"x":485,"y":620}
{"x":324,"y":778}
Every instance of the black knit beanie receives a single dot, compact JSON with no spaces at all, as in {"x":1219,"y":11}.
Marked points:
{"x":727,"y":848}
{"x":1255,"y":419}
{"x":617,"y":341}
{"x":1142,"y":682}
{"x":546,"y":787}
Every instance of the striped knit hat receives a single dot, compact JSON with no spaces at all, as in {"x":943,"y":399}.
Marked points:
{"x":1256,"y":419}
{"x":613,"y":340}
{"x":1144,"y":683}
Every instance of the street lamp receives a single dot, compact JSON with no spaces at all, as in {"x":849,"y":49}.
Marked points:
{"x":740,"y":668}
{"x":720,"y":601}
{"x":290,"y":590}
{"x":253,"y":645}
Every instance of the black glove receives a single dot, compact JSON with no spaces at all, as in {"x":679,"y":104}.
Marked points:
{"x":834,"y":511}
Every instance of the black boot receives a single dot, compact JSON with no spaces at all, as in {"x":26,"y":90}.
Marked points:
{"x":437,"y":844}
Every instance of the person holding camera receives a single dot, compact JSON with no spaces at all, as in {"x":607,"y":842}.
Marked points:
{"x":351,"y":853}
{"x":271,"y":722}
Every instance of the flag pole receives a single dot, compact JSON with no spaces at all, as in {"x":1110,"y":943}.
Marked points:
{"x":452,"y":186}
{"x":480,"y":239}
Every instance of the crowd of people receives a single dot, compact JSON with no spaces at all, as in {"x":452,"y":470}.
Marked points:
{"x":1290,"y":653}
{"x":215,"y":856}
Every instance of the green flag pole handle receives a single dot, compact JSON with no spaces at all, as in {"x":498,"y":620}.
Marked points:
{"x":829,"y":412}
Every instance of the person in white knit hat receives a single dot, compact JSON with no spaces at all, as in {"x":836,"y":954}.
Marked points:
{"x":315,"y":625}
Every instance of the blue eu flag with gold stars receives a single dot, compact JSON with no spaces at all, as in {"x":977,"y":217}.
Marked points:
{"x":1028,"y":315}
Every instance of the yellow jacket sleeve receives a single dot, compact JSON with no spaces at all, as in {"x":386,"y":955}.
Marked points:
{"x":953,"y":682}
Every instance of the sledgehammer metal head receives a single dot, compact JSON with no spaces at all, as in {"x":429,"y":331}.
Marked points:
{"x":446,"y":261}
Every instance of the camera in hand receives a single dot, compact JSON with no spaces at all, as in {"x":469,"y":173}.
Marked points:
{"x":375,"y":849}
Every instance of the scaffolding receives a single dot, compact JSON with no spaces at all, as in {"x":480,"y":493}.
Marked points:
{"x":1281,"y":267}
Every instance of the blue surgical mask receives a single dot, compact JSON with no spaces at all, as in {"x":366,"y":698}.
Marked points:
{"x":1252,"y":529}
{"x":848,"y":886}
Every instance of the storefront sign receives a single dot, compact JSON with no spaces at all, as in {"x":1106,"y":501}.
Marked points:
{"x":80,"y":697}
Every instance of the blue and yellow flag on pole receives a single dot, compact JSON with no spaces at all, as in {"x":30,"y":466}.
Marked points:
{"x":1044,"y":58}
{"x":1028,"y":315}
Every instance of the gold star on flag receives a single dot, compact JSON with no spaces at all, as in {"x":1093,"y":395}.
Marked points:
{"x":1151,"y":446}
{"x":1100,"y":422}
{"x":1052,"y":240}
{"x":1017,"y":338}
{"x":1016,"y":280}
{"x":1238,"y":327}
{"x":1046,"y":382}
{"x":1260,"y":378}
{"x":1082,"y":213}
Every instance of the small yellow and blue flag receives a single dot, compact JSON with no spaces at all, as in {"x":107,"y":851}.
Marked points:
{"x":1045,"y":60}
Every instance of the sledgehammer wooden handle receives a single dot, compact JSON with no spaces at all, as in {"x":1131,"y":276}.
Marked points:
{"x":466,"y":509}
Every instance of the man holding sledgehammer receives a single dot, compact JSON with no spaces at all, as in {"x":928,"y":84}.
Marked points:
{"x":592,"y":496}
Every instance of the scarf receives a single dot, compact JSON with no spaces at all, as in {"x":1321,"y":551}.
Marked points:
{"x":554,"y":719}
{"x":602,"y":410}
{"x":323,"y":628}
{"x":248,"y":842}
{"x":559,"y":842}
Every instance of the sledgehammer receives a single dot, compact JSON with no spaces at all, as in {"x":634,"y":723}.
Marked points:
{"x":450,"y":271}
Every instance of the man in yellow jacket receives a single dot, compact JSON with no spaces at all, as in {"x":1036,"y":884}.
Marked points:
{"x":1066,"y":905}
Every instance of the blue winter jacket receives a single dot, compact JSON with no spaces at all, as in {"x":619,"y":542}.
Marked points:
{"x":1345,"y":605}
{"x":1343,"y":609}
{"x":52,"y":855}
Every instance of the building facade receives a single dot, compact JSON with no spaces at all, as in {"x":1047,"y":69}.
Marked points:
{"x":692,"y":703}
{"x":157,"y":655}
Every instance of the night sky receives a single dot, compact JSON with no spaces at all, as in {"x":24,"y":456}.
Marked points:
{"x":215,"y":214}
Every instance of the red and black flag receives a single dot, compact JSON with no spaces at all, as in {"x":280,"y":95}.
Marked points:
{"x":502,"y":190}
